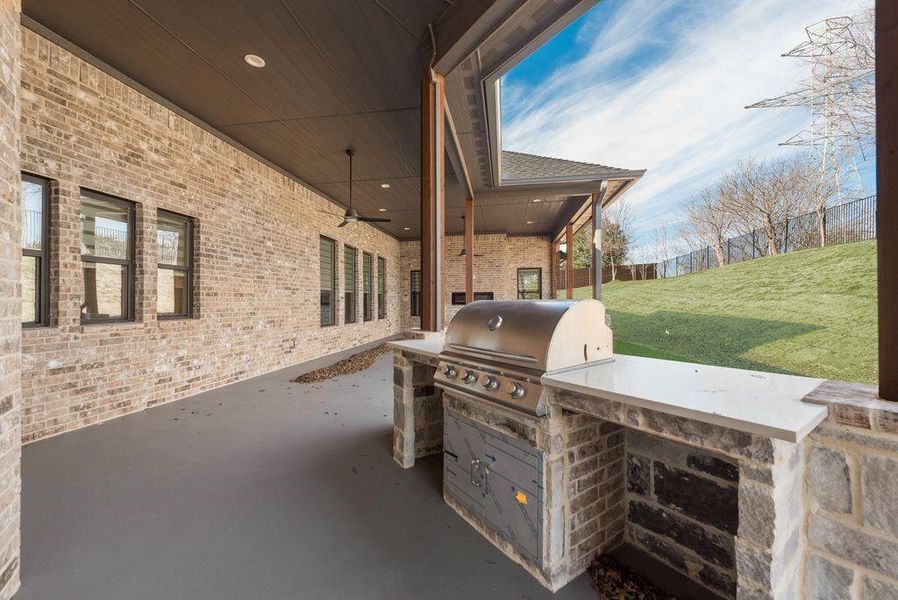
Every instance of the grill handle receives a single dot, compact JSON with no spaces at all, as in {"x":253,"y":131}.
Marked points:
{"x":475,"y":481}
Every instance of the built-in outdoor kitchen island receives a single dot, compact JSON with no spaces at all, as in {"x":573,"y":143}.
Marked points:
{"x":556,"y":451}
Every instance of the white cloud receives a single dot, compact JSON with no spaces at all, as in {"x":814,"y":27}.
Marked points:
{"x":682,"y":117}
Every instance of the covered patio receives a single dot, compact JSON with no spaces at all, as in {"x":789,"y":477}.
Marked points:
{"x":182,"y":233}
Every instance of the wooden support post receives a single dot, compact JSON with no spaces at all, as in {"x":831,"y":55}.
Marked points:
{"x":433,"y":193}
{"x":469,"y":250}
{"x":887,"y":193}
{"x":597,"y":198}
{"x":569,"y":259}
{"x":553,"y":271}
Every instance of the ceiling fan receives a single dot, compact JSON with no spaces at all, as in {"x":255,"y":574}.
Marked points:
{"x":464,"y":249}
{"x":351,"y":216}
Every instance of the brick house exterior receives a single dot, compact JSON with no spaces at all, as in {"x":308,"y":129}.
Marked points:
{"x":256,"y":248}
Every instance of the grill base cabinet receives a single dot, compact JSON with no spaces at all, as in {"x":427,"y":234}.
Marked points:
{"x":498,"y":479}
{"x":533,"y":485}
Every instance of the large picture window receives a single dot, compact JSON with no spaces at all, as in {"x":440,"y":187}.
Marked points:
{"x":107,"y":258}
{"x":328,"y":256}
{"x":530,"y":284}
{"x":350,"y":283}
{"x":174,"y":279}
{"x":367,"y":285}
{"x":35,"y":250}
{"x":381,"y":287}
{"x":415,"y":293}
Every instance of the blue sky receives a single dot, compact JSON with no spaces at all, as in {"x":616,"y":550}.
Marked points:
{"x":662,"y":85}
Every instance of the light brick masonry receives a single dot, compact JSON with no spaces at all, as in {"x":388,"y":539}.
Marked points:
{"x":495,"y":271}
{"x":10,"y":299}
{"x":256,"y":253}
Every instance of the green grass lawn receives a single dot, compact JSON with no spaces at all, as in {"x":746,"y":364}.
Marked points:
{"x":810,"y":313}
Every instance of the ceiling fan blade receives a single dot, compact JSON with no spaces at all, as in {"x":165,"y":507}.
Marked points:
{"x":343,"y":224}
{"x":375,"y":220}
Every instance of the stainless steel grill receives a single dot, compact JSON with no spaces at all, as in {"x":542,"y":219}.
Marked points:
{"x":498,"y":350}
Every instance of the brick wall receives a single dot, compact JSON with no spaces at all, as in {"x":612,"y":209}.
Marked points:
{"x":10,"y":299}
{"x":256,"y":253}
{"x":495,"y":271}
{"x":852,"y":491}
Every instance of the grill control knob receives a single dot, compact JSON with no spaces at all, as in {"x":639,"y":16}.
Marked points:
{"x":470,"y":376}
{"x":450,"y":371}
{"x":517,"y":391}
{"x":490,"y":383}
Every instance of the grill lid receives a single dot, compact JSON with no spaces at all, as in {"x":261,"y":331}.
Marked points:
{"x":538,"y":335}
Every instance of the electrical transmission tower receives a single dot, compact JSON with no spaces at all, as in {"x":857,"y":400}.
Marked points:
{"x":839,"y":93}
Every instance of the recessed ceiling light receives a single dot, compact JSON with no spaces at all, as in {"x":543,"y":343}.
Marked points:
{"x":381,"y":210}
{"x":406,"y":228}
{"x":529,"y":222}
{"x":254,"y":61}
{"x":385,"y":185}
{"x":535,"y":200}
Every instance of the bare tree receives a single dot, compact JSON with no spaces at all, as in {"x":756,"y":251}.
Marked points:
{"x":710,"y":219}
{"x":763,"y":195}
{"x":661,"y":248}
{"x":819,"y":184}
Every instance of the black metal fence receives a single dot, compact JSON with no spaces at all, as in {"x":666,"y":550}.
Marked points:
{"x":852,"y":221}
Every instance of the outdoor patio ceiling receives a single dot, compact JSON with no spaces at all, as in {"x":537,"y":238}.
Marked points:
{"x":337,"y":74}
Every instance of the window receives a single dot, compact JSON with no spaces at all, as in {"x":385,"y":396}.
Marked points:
{"x":415,"y":293}
{"x":35,"y":250}
{"x":350,"y":275}
{"x":328,"y":253}
{"x":530,"y":284}
{"x":174,"y":279}
{"x":367,"y":299}
{"x":459,"y":297}
{"x":107,"y":258}
{"x":381,"y":287}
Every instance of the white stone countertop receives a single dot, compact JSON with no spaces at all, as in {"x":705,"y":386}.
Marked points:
{"x":766,"y":404}
{"x":431,"y":346}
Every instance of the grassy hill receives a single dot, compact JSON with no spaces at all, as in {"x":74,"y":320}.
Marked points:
{"x":810,"y":313}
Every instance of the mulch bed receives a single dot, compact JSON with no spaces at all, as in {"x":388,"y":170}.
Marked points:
{"x":353,"y":364}
{"x":615,"y":581}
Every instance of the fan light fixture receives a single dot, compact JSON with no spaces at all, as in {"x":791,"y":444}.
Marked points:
{"x":385,"y":185}
{"x":254,"y":60}
{"x":351,"y":216}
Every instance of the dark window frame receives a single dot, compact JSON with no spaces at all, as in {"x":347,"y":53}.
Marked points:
{"x":460,"y":298}
{"x":368,"y":282}
{"x":130,"y":284}
{"x":539,"y":285}
{"x":355,"y":286}
{"x":334,"y":262}
{"x":188,"y":269}
{"x":414,"y":296}
{"x":42,"y":276}
{"x":381,"y":288}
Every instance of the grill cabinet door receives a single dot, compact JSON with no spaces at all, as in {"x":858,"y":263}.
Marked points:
{"x":463,"y":449}
{"x":514,"y":499}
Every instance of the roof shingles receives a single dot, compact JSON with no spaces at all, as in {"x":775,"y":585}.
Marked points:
{"x":518,"y":166}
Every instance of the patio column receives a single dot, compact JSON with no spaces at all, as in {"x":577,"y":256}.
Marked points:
{"x":553,"y":271}
{"x":597,"y":198}
{"x":11,"y":298}
{"x":433,"y":194}
{"x":469,"y":249}
{"x":569,"y":260}
{"x":887,"y":193}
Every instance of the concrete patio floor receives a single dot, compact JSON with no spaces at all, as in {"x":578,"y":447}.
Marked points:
{"x":262,"y":489}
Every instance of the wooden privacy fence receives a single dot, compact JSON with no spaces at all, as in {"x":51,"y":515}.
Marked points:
{"x":583,"y":276}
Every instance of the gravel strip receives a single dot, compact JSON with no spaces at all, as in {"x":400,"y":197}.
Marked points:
{"x":615,"y":581}
{"x":353,"y":364}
